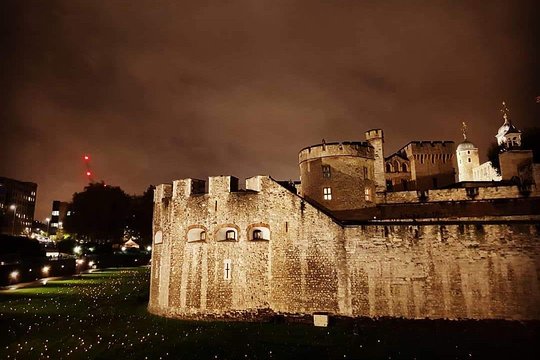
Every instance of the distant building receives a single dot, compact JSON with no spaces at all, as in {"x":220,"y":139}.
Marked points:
{"x":17,"y":205}
{"x":511,"y":158}
{"x":421,"y":165}
{"x":60,"y":210}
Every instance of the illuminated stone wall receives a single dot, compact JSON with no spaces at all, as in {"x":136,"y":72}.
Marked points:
{"x":311,"y":263}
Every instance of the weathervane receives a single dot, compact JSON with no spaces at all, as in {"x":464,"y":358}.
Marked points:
{"x":464,"y":130}
{"x":505,"y":112}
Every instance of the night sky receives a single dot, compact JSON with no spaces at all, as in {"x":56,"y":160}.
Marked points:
{"x":161,"y":90}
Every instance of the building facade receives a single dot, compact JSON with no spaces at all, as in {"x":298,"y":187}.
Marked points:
{"x":59,"y":212}
{"x":17,"y":205}
{"x":421,"y":165}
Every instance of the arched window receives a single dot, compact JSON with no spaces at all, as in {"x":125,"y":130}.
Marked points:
{"x":388,"y":167}
{"x":230,"y":235}
{"x":396,"y":166}
{"x":258,"y":232}
{"x":196,"y":233}
{"x":404,"y":167}
{"x":158,"y":237}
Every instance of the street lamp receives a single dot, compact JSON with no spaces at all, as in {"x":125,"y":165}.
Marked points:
{"x":14,"y":208}
{"x":48,"y":220}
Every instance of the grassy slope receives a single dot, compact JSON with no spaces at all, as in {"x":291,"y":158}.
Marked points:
{"x":103,"y":316}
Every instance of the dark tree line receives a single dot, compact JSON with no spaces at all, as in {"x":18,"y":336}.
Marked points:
{"x":530,"y":140}
{"x":104,"y":213}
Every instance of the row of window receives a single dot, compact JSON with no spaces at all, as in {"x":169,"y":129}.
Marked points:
{"x":395,"y":167}
{"x":327,"y":193}
{"x":227,"y":233}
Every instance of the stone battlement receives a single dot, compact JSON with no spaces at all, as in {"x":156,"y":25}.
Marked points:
{"x":353,"y":148}
{"x":216,"y":185}
{"x":374,"y":134}
{"x":419,"y":146}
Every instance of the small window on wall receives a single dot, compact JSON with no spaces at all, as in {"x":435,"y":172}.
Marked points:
{"x":196,"y":234}
{"x":230,"y":235}
{"x":368,"y":194}
{"x":404,"y":167}
{"x":366,"y":174}
{"x":259,"y":232}
{"x":326,"y":171}
{"x":158,"y":238}
{"x":327,"y":193}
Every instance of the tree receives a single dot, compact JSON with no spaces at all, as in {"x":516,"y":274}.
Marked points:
{"x":493,"y":155}
{"x":530,"y":140}
{"x":141,"y":214}
{"x":99,"y":213}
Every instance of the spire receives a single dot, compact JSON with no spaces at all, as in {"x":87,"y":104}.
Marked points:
{"x":464,"y":130}
{"x":505,"y":112}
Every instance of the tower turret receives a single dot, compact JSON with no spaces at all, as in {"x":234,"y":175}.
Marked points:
{"x":508,"y":136}
{"x":375,"y":138}
{"x":339,"y":176}
{"x":467,"y":157}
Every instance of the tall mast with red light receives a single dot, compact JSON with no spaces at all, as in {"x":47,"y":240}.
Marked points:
{"x":89,"y":174}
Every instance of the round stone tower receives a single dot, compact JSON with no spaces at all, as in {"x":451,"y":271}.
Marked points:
{"x":467,"y":158}
{"x":339,"y":176}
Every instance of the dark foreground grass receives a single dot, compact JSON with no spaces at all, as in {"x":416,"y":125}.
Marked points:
{"x":103,"y":316}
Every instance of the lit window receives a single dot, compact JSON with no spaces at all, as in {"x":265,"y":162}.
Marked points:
{"x":327,"y":193}
{"x":326,"y":172}
{"x":367,"y":192}
{"x":55,"y":213}
{"x":230,"y":235}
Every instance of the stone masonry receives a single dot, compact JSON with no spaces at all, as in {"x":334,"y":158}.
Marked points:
{"x":266,"y":250}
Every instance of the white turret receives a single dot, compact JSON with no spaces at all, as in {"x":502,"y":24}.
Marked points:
{"x":467,"y":158}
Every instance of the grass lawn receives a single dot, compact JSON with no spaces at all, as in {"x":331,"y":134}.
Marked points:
{"x":103,"y":315}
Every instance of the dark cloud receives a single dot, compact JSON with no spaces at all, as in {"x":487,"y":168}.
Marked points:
{"x":158,"y":90}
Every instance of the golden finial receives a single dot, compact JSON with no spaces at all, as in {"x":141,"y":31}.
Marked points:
{"x":505,"y":112}
{"x":464,"y":130}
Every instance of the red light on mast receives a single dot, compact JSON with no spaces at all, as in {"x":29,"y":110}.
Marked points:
{"x":88,"y":173}
{"x":86,"y":157}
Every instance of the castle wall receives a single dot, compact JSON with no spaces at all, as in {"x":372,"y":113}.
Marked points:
{"x":512,"y":160}
{"x":310,"y":263}
{"x":479,"y":193}
{"x":444,"y":271}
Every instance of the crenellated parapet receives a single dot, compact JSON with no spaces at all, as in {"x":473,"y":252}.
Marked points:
{"x":162,"y":191}
{"x":353,"y":148}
